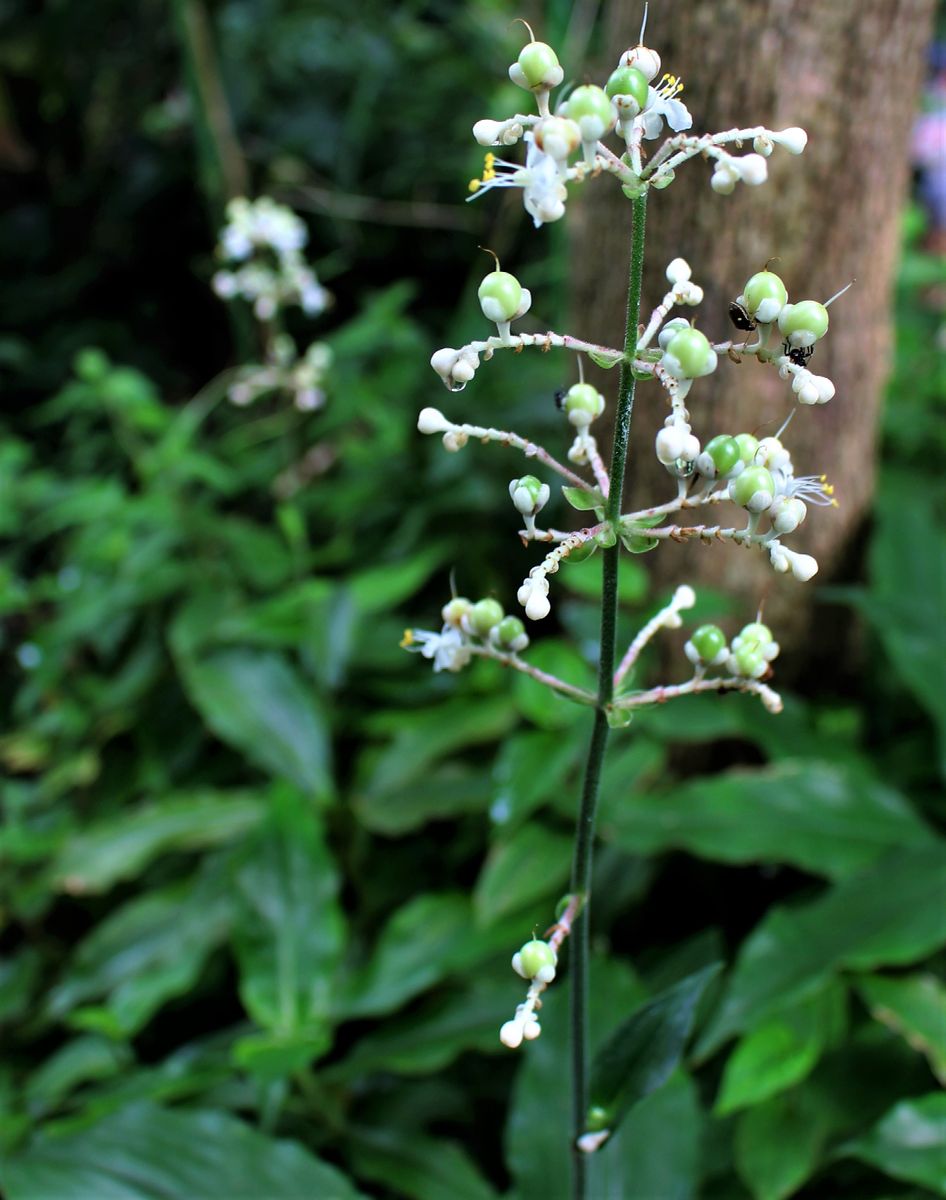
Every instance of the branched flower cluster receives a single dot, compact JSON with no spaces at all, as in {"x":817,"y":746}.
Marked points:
{"x":261,"y":245}
{"x":738,"y":470}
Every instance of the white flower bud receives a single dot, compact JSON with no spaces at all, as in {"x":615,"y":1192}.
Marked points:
{"x":670,"y":444}
{"x":443,"y":361}
{"x":752,"y":169}
{"x":802,"y":566}
{"x":722,"y":182}
{"x":793,"y":139}
{"x":786,"y":513}
{"x":691,"y":448}
{"x":454,"y":440}
{"x":432,"y":420}
{"x":670,"y":329}
{"x":647,"y":61}
{"x":684,"y":596}
{"x":517,"y":965}
{"x":763,"y":144}
{"x":531,"y":1030}
{"x":679,"y":270}
{"x":487,"y":132}
{"x":688,"y":293}
{"x":510,"y":1034}
{"x":537,"y":606}
{"x":588,"y":1143}
{"x":824,"y":387}
{"x":463,"y":371}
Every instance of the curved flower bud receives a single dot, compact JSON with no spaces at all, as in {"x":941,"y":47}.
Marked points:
{"x":643,"y":59}
{"x":794,"y":139}
{"x":752,"y":169}
{"x":432,"y":420}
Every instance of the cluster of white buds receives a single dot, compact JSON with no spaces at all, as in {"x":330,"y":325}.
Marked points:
{"x":266,"y":239}
{"x":684,"y":291}
{"x":582,"y":404}
{"x":468,"y":629}
{"x":455,"y":367}
{"x":748,"y":655}
{"x":302,"y":378}
{"x":535,"y":961}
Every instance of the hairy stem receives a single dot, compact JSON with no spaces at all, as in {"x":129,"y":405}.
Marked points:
{"x":585,"y":829}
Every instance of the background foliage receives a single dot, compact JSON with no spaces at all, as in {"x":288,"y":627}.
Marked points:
{"x":262,"y":872}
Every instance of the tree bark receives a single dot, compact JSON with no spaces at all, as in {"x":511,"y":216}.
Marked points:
{"x":849,"y":72}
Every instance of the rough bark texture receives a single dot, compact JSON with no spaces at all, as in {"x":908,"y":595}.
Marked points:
{"x":849,"y":72}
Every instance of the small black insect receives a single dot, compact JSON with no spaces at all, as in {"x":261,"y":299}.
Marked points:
{"x":799,"y":355}
{"x":742,"y":318}
{"x":560,"y":398}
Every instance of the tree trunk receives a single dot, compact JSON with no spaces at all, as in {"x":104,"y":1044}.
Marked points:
{"x":849,"y":72}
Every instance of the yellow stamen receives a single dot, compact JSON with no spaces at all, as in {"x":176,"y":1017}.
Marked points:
{"x":407,"y":640}
{"x":489,"y":173}
{"x":670,"y":86}
{"x":475,"y":185}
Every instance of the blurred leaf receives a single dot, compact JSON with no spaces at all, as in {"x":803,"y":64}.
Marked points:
{"x":779,"y":1144}
{"x":381,"y":588}
{"x":908,"y":587}
{"x":530,"y":769}
{"x":913,"y":1006}
{"x":19,"y":975}
{"x":260,"y":705}
{"x":533,"y":863}
{"x":413,"y":952}
{"x":449,"y":790}
{"x":78,"y":1061}
{"x":782,"y":1051}
{"x":632,"y":581}
{"x":290,"y":932}
{"x":545,"y":708}
{"x":817,"y":816}
{"x":891,"y":914}
{"x":418,"y":1167}
{"x":644,"y":1050}
{"x":908,"y":1143}
{"x":122,"y":846}
{"x":145,"y":952}
{"x":430,"y":1038}
{"x":148,"y":1153}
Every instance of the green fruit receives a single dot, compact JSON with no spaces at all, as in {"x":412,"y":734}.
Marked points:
{"x":747,"y":446}
{"x":753,"y":489}
{"x":765,"y":286}
{"x":708,"y":640}
{"x":534,"y":956}
{"x":584,"y":402}
{"x":756,"y":635}
{"x":688,"y":354}
{"x":597,"y":1118}
{"x":500,"y":295}
{"x":806,"y":321}
{"x":749,"y":661}
{"x":455,"y":610}
{"x":510,"y":630}
{"x":591,"y":105}
{"x":484,"y":615}
{"x":724,"y":451}
{"x":536,"y":61}
{"x":628,"y":81}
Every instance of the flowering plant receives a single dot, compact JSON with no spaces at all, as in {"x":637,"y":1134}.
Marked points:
{"x":719,"y":473}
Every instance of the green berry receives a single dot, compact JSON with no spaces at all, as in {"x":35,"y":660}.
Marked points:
{"x":535,"y":956}
{"x":509,"y":633}
{"x":765,"y":295}
{"x":748,"y":445}
{"x":754,"y":489}
{"x":688,"y":354}
{"x":724,"y":451}
{"x":756,"y":635}
{"x":583,"y":403}
{"x":484,"y":615}
{"x":628,"y":81}
{"x":537,"y":61}
{"x":455,"y":610}
{"x":597,"y":1118}
{"x":708,"y":640}
{"x":590,"y":106}
{"x":500,"y":295}
{"x":749,"y":661}
{"x":803,"y":323}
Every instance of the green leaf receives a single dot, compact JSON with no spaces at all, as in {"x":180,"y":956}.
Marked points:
{"x":531,"y":769}
{"x":144,"y":1152}
{"x":418,"y":1167}
{"x":449,"y":790}
{"x":891,"y":914}
{"x":643,"y":1052}
{"x":383,"y":587}
{"x":532,"y":864}
{"x":632,"y":583}
{"x":289,"y":934}
{"x":913,"y":1006}
{"x":581,"y":499}
{"x":542,"y":706}
{"x":144,"y":953}
{"x":908,"y":1143}
{"x":638,"y":543}
{"x":416,"y":949}
{"x":259,"y":704}
{"x":606,"y":359}
{"x":779,"y":1144}
{"x":121,"y":846}
{"x":782,"y":1051}
{"x":821,"y":817}
{"x":79,"y":1061}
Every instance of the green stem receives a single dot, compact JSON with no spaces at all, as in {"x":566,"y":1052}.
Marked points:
{"x":585,"y":828}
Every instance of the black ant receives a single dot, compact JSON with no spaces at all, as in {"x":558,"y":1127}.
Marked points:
{"x":799,"y":355}
{"x":742,"y":318}
{"x":560,"y":399}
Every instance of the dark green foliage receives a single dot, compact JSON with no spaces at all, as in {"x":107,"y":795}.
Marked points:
{"x":262,"y":872}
